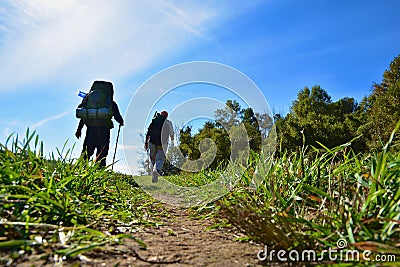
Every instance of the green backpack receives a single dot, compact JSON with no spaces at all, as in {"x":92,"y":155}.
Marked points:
{"x":96,"y":107}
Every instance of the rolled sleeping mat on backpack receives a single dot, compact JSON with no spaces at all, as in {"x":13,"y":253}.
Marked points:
{"x":81,"y":113}
{"x":94,"y":114}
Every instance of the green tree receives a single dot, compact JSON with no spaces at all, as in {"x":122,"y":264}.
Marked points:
{"x":230,"y":115}
{"x":233,"y":127}
{"x":186,"y":142}
{"x":252,"y":128}
{"x":314,"y":116}
{"x":233,"y":115}
{"x":382,"y":108}
{"x":200,"y":152}
{"x":265,"y":123}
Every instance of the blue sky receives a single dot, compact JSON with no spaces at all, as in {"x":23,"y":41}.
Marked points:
{"x":49,"y":50}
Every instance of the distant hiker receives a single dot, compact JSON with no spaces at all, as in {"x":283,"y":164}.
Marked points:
{"x":96,"y":111}
{"x":158,"y":132}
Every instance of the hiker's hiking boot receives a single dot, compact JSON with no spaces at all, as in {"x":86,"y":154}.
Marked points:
{"x":155,"y":175}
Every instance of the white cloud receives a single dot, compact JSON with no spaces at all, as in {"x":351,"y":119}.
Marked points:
{"x":184,"y":19}
{"x":44,"y":121}
{"x":42,"y":40}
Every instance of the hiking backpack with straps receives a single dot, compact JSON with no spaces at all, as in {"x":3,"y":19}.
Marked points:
{"x":96,"y":107}
{"x":156,"y":128}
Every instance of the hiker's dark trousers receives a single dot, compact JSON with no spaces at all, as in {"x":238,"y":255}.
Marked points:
{"x":97,"y":138}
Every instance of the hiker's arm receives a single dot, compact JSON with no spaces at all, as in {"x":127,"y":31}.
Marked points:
{"x":117,"y":114}
{"x":79,"y":130}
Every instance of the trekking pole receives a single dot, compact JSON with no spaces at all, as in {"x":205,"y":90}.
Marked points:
{"x":115,"y":150}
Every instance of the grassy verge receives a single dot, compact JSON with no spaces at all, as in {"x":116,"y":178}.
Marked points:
{"x":311,"y":200}
{"x":60,"y":207}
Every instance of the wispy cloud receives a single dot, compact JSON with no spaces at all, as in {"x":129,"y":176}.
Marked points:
{"x":44,"y":39}
{"x":40,"y":123}
{"x":184,"y":19}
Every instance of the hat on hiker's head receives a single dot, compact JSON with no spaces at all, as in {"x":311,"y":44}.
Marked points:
{"x":164,"y":113}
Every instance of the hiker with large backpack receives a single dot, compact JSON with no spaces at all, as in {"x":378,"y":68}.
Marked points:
{"x":158,"y":132}
{"x":96,"y":112}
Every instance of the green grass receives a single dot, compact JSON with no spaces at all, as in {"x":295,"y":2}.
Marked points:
{"x":61,"y":205}
{"x":64,"y":207}
{"x":310,"y":200}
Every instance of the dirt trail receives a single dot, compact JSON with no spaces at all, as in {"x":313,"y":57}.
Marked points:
{"x":181,"y":241}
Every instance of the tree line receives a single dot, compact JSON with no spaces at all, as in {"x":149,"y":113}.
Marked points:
{"x":368,"y":124}
{"x":313,"y":120}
